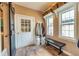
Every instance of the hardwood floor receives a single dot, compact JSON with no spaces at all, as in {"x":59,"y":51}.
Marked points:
{"x":32,"y":51}
{"x":54,"y":51}
{"x":38,"y":51}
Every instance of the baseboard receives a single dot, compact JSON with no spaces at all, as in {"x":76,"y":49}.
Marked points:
{"x":69,"y":54}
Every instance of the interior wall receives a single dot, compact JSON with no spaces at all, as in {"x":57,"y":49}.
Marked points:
{"x":28,"y":12}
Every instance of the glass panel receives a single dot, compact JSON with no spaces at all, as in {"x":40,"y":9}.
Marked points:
{"x":72,"y":27}
{"x":63,"y":27}
{"x":71,"y":33}
{"x":71,"y":14}
{"x":67,"y":27}
{"x":63,"y":33}
{"x":25,"y":25}
{"x":67,"y":33}
{"x":68,"y":23}
{"x":49,"y":21}
{"x":63,"y":17}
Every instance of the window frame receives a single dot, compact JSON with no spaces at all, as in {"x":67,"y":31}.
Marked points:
{"x":61,"y":21}
{"x":45,"y":17}
{"x":73,"y":6}
{"x":25,"y":25}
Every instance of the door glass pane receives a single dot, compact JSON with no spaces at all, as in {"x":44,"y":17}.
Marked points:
{"x":25,"y":25}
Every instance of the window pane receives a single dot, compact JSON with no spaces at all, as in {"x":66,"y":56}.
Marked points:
{"x":68,"y":23}
{"x":49,"y":21}
{"x":63,"y":27}
{"x":63,"y":33}
{"x":71,"y":27}
{"x":72,"y":14}
{"x":67,"y":15}
{"x":67,"y":27}
{"x":63,"y":17}
{"x":67,"y":33}
{"x":71,"y":34}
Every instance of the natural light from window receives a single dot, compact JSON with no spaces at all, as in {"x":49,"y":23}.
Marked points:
{"x":67,"y":23}
{"x":49,"y":22}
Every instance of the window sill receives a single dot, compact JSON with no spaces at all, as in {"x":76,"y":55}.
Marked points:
{"x":68,"y":39}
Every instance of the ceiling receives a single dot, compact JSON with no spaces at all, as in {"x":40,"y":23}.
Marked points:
{"x":39,"y":6}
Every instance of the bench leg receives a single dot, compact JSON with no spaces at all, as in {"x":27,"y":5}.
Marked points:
{"x":60,"y":51}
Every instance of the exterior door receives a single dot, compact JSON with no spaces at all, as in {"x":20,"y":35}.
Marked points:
{"x":24,"y":29}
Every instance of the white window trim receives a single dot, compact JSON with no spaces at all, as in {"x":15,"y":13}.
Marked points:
{"x":45,"y":19}
{"x":58,"y":11}
{"x":61,"y":26}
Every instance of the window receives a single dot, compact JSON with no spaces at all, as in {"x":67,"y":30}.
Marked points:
{"x":49,"y":22}
{"x":67,"y":23}
{"x":25,"y":25}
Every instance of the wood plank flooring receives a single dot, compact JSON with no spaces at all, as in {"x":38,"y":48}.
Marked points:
{"x":38,"y":51}
{"x":54,"y":51}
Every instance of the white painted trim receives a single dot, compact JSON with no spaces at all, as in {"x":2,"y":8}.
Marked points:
{"x":65,"y":6}
{"x":48,"y":15}
{"x":62,"y":9}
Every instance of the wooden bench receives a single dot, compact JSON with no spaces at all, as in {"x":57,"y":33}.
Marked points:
{"x":56,"y":44}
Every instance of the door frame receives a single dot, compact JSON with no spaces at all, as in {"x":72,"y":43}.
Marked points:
{"x":9,"y":6}
{"x":11,"y":11}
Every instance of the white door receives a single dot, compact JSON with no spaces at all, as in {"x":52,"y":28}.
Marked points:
{"x":24,"y":30}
